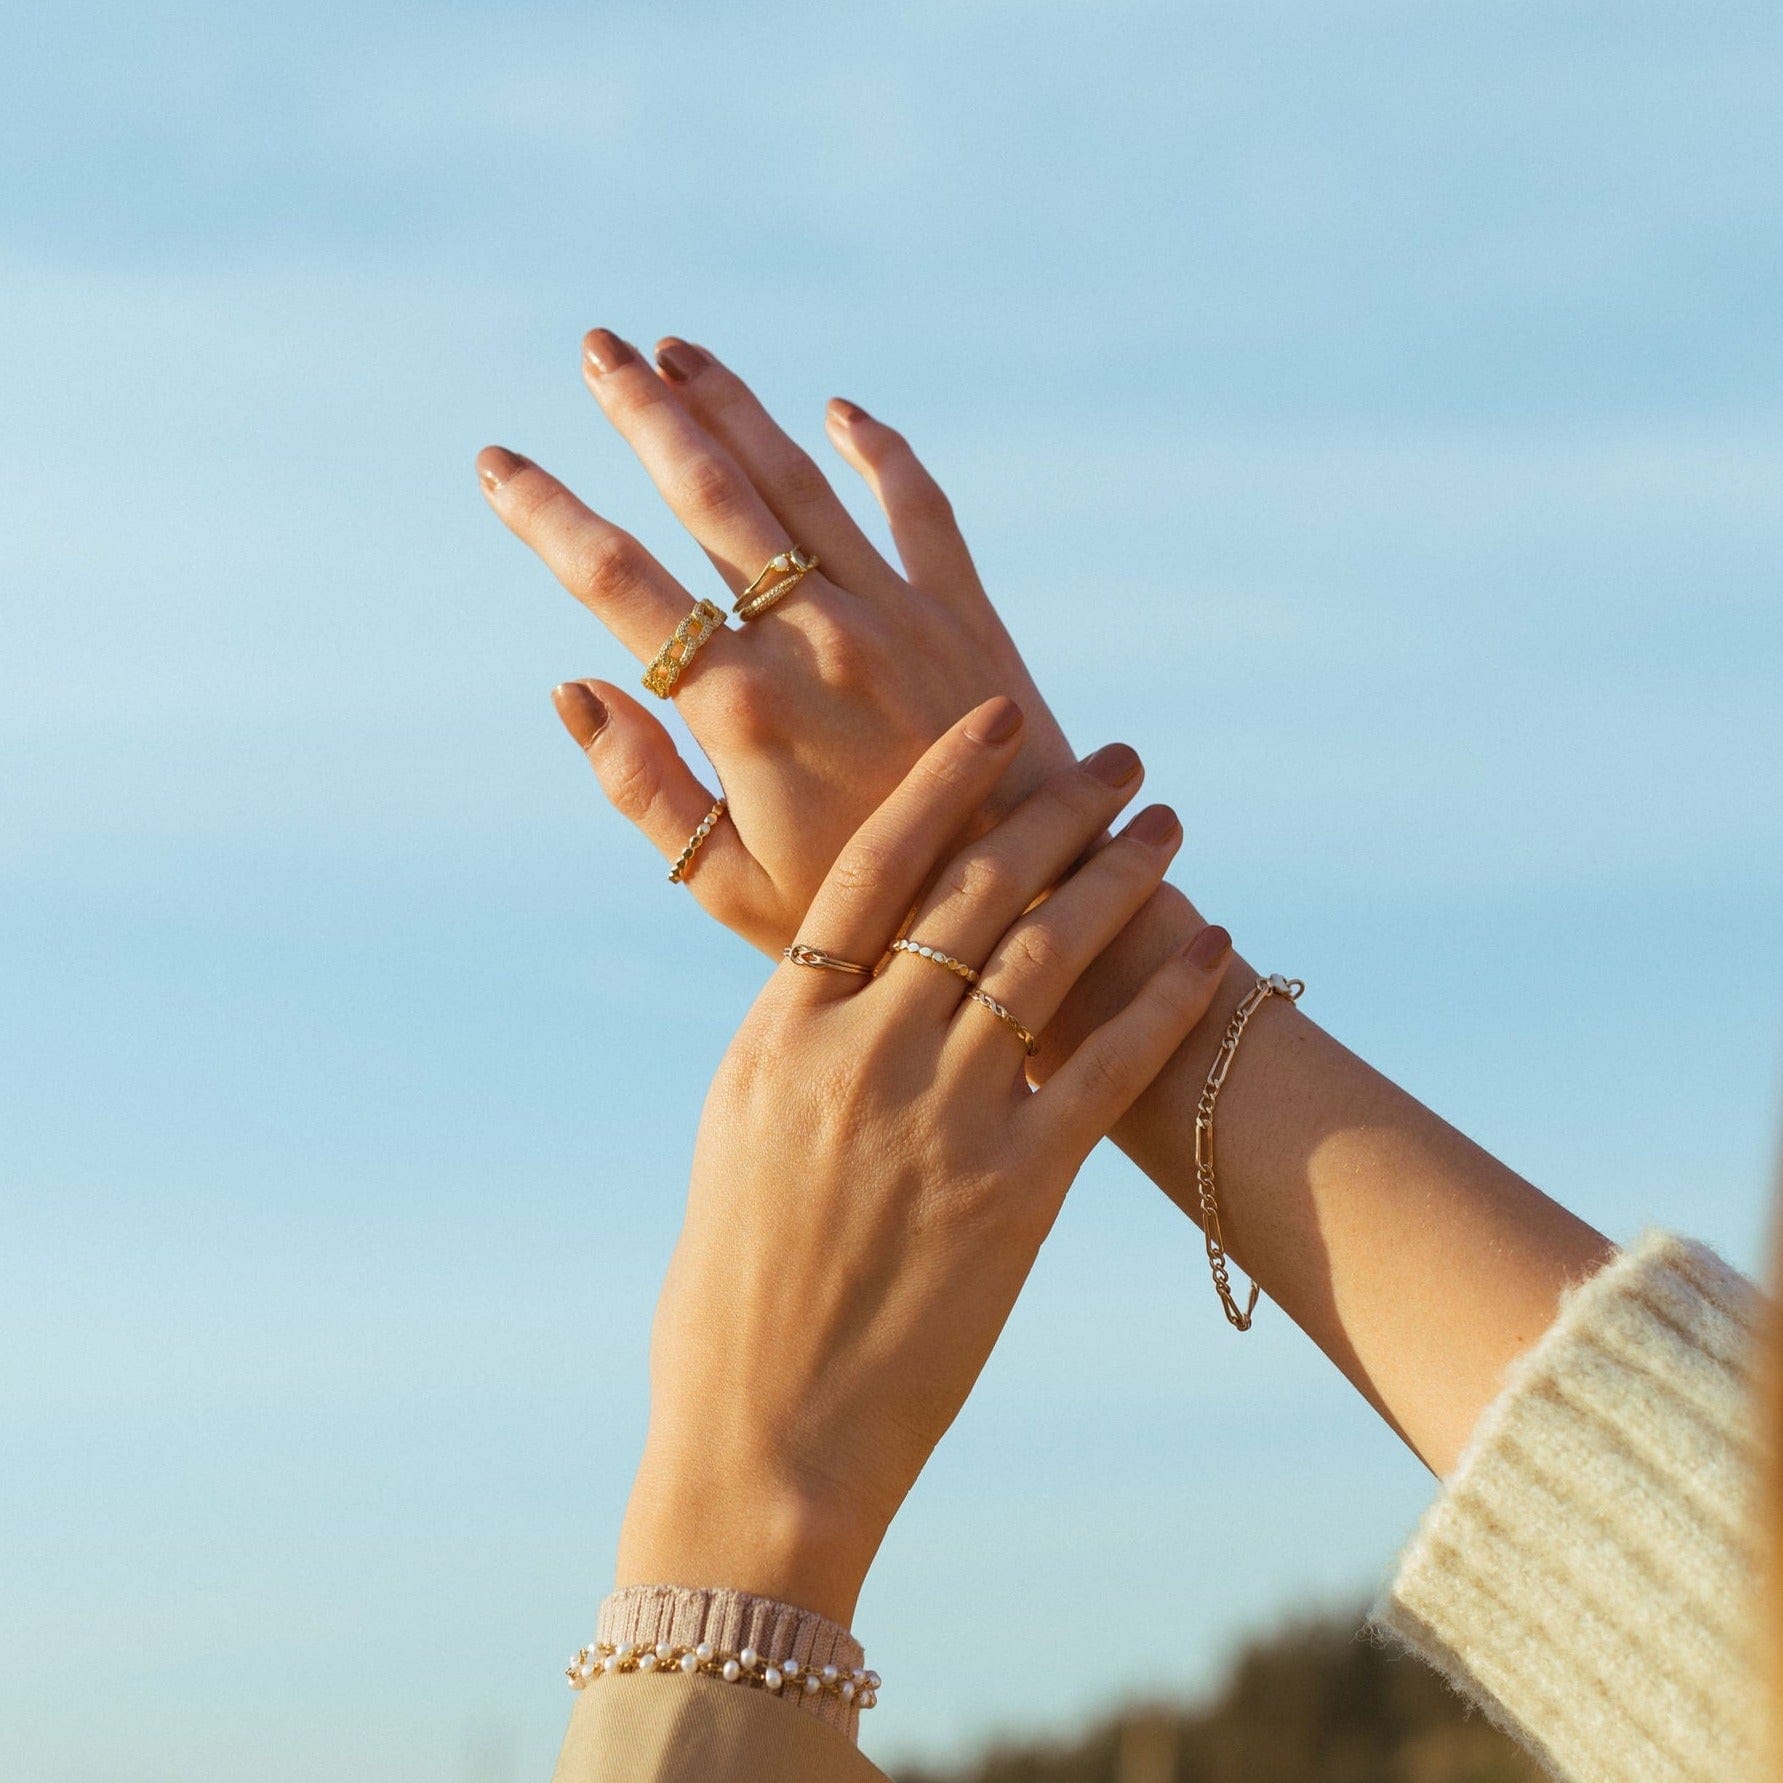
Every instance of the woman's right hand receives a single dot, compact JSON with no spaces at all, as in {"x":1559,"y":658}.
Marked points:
{"x":813,"y":713}
{"x":873,"y":1176}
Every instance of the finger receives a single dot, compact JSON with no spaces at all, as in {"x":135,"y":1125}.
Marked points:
{"x":1032,"y":969}
{"x":930,"y":544}
{"x":607,"y":570}
{"x":703,"y":484}
{"x":645,"y":780}
{"x":783,"y":472}
{"x":990,"y":882}
{"x":882,"y":869}
{"x":1113,"y":1067}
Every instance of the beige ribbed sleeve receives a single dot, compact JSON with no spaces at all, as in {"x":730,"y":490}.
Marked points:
{"x":1588,"y":1577}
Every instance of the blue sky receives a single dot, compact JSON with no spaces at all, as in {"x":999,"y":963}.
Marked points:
{"x":1419,"y":368}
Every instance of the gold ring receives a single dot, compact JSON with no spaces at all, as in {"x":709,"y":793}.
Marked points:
{"x":1023,"y":1034}
{"x":696,"y":841}
{"x":665,"y":668}
{"x":801,"y":955}
{"x":958,"y":968}
{"x":792,"y":567}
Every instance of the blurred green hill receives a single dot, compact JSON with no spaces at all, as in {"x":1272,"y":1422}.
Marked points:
{"x":1318,"y":1702}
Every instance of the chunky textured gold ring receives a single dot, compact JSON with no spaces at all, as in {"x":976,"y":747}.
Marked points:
{"x":665,"y":668}
{"x":792,"y":567}
{"x":1023,"y":1034}
{"x":696,"y":841}
{"x":801,"y":955}
{"x":958,"y":968}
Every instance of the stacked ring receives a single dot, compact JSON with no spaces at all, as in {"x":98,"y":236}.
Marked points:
{"x":959,"y":968}
{"x":1023,"y":1034}
{"x":792,"y":567}
{"x":693,"y":631}
{"x":696,"y":841}
{"x":801,"y":955}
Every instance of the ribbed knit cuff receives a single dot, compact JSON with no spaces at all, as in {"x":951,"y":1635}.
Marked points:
{"x":1588,"y":1576}
{"x":732,"y":1620}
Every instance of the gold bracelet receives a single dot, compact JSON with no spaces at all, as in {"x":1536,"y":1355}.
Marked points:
{"x":1273,"y":986}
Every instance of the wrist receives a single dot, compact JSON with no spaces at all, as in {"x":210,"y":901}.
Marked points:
{"x":701,"y":1517}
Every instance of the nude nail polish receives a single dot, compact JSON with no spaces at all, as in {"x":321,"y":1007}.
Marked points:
{"x":583,"y":711}
{"x":606,"y":352}
{"x":1114,"y":764}
{"x":680,"y":360}
{"x":496,"y":464}
{"x":1209,"y":947}
{"x":997,"y":722}
{"x":1156,"y":824}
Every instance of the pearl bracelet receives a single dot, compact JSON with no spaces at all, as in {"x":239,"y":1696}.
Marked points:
{"x":859,"y":1688}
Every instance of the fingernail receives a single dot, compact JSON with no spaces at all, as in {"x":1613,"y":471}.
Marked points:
{"x":582,"y":710}
{"x":1156,"y":824}
{"x":496,"y":464}
{"x":847,"y":411}
{"x":1209,"y":947}
{"x":679,"y":360}
{"x":1114,"y":764}
{"x":605,"y":351}
{"x":996,"y":721}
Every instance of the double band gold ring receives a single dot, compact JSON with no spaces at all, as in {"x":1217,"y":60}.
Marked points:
{"x":801,"y":955}
{"x":782,"y":575}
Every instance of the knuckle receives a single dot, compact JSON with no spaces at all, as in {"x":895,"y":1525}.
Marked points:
{"x":709,"y":487}
{"x":607,"y":563}
{"x":750,"y":703}
{"x":982,"y":879}
{"x":924,"y":498}
{"x":883,"y":445}
{"x":1107,"y":1071}
{"x":847,"y":658}
{"x":863,"y":867}
{"x":1035,"y":950}
{"x":799,"y":481}
{"x":632,"y":783}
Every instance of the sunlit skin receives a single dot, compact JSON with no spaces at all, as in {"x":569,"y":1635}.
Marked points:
{"x":873,"y":1176}
{"x":1417,"y":1262}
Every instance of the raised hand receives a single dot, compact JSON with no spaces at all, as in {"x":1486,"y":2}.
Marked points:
{"x":811,"y":713}
{"x":873,"y":1177}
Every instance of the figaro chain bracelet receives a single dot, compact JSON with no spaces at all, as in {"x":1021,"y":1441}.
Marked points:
{"x":1273,"y":986}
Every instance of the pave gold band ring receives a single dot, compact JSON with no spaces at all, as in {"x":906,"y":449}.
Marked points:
{"x":696,"y":842}
{"x":782,"y":575}
{"x":946,"y":961}
{"x":665,"y":667}
{"x":801,"y":955}
{"x":1024,"y":1035}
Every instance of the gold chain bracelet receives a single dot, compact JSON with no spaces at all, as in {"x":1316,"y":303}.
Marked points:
{"x":1273,"y":986}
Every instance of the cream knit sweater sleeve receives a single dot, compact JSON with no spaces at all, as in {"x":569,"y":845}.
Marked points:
{"x":1588,"y":1576}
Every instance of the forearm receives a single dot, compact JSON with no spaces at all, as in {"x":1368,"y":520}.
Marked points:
{"x":1416,"y":1261}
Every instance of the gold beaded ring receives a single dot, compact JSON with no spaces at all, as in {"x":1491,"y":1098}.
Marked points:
{"x":791,"y":566}
{"x":678,"y":872}
{"x":958,"y":968}
{"x":1024,"y":1035}
{"x":666,"y":666}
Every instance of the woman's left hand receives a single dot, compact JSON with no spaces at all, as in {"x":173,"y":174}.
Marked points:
{"x":873,"y":1176}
